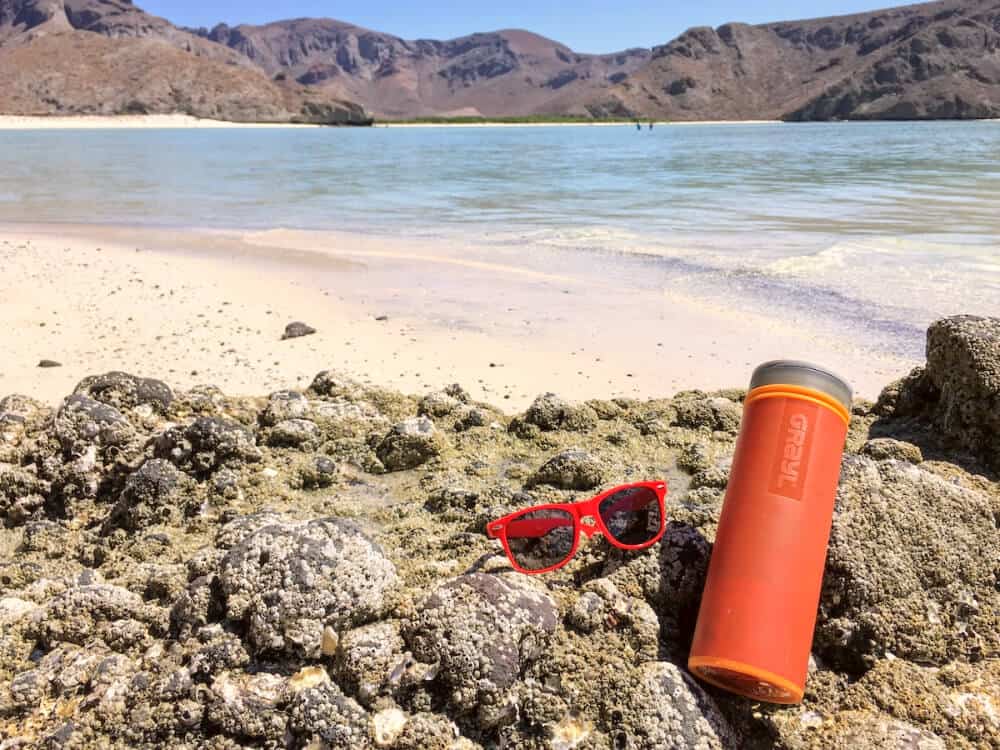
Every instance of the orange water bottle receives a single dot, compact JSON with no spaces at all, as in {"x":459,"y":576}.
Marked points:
{"x":758,"y":610}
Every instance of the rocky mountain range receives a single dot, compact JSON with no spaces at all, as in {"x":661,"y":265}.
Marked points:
{"x":934,"y":60}
{"x":109,"y":57}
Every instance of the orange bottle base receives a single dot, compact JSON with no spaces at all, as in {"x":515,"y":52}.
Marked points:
{"x":746,"y":680}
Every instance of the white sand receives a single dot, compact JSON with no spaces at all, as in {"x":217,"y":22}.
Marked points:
{"x":210,"y":307}
{"x":86,"y":122}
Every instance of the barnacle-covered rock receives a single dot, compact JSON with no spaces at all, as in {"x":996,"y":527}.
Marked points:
{"x":124,"y":391}
{"x":289,"y":580}
{"x":668,"y":710}
{"x":550,"y":412}
{"x":208,"y":444}
{"x":698,"y":410}
{"x":482,"y":629}
{"x":155,"y":493}
{"x":911,"y":568}
{"x":83,"y":423}
{"x":366,"y":658}
{"x":409,"y":444}
{"x":325,"y":716}
{"x":114,"y":615}
{"x":572,"y":469}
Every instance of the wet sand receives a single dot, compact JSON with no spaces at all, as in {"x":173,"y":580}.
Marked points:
{"x":198,"y":306}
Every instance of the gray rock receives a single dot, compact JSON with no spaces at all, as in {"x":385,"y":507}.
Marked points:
{"x":712,"y":477}
{"x":283,"y":405}
{"x":572,"y":469}
{"x":959,"y":390}
{"x":296,"y":330}
{"x":366,"y":658}
{"x":248,"y":706}
{"x":293,"y":433}
{"x":322,"y":471}
{"x":428,"y":731}
{"x":325,"y":716}
{"x":207,"y":444}
{"x":696,"y":410}
{"x":82,"y":422}
{"x":116,"y":616}
{"x":156,"y":493}
{"x":437,"y":404}
{"x":668,"y":710}
{"x":22,"y":493}
{"x":452,"y":498}
{"x":882,"y":449}
{"x":409,"y":444}
{"x":466,"y":417}
{"x":482,"y":630}
{"x":550,"y":412}
{"x":288,"y":581}
{"x":911,"y":569}
{"x":124,"y":391}
{"x":670,"y":577}
{"x":334,"y":383}
{"x":694,"y":458}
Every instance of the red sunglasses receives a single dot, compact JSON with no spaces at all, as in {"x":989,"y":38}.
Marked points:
{"x":545,"y":537}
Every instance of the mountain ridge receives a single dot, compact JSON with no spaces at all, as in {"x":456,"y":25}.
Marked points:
{"x":931,"y":60}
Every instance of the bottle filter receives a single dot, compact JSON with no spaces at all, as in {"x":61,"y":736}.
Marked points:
{"x":758,"y":610}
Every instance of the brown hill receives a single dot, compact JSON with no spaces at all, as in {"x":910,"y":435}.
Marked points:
{"x":935,"y":60}
{"x":509,"y":72}
{"x":109,"y":57}
{"x":939,"y":59}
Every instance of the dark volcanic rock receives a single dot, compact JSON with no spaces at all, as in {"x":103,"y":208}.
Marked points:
{"x":48,"y":363}
{"x":296,"y":330}
{"x":82,"y":422}
{"x":124,"y":391}
{"x":207,"y":444}
{"x":156,"y":493}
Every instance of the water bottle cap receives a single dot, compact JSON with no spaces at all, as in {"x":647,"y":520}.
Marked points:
{"x":804,"y":374}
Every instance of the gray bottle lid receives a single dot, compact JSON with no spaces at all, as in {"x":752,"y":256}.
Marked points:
{"x":806,"y":374}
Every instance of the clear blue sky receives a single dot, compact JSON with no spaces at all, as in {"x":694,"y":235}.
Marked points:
{"x":584,"y":25}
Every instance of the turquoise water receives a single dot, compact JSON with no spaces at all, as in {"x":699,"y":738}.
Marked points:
{"x":882,"y":225}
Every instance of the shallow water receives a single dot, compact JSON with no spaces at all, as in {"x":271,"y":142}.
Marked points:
{"x":868,"y":230}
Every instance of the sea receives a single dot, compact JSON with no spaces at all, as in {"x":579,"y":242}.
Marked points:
{"x":876,"y":229}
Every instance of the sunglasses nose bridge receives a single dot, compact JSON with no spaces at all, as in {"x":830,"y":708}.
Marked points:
{"x":588,"y":525}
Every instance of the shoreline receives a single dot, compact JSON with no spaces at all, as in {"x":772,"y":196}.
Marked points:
{"x":101,"y":122}
{"x":408,"y":314}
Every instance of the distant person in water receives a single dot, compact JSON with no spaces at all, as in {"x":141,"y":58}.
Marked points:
{"x":638,"y":126}
{"x":650,"y":124}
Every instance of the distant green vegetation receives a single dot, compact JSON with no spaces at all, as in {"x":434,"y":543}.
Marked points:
{"x":525,"y":120}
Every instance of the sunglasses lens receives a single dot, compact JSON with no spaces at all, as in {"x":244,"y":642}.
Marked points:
{"x":632,"y":516}
{"x":539,"y":539}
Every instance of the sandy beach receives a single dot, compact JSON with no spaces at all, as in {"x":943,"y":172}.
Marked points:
{"x":210,"y":307}
{"x":88,"y":122}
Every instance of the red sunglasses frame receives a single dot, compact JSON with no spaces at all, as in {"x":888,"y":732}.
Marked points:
{"x":579,"y":511}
